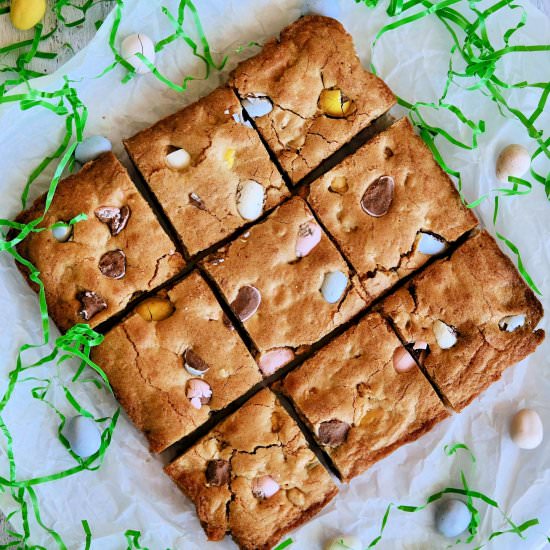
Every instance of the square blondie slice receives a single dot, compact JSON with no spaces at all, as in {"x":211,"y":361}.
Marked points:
{"x":208,"y":169}
{"x":287,"y":283}
{"x":253,"y":476}
{"x":308,"y":93}
{"x":363,"y":396}
{"x":173,"y":361}
{"x":474,"y":313}
{"x":390,"y":207}
{"x":92,"y":269}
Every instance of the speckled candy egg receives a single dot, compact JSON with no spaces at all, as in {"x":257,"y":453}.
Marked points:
{"x":83,"y":436}
{"x":90,"y":148}
{"x":526,"y":429}
{"x":344,"y":542}
{"x":513,"y":160}
{"x":452,"y":517}
{"x":138,"y":43}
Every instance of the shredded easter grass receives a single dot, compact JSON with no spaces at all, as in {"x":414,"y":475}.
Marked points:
{"x":472,"y":498}
{"x":479,"y":58}
{"x":285,"y":544}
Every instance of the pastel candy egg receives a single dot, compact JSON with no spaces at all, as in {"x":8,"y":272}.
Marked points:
{"x":402,"y":360}
{"x":82,"y":435}
{"x":513,"y":160}
{"x":334,"y":285}
{"x":198,"y":392}
{"x":178,"y":159}
{"x":250,"y":200}
{"x":138,"y":43}
{"x":62,"y":232}
{"x":257,"y":106}
{"x":274,"y":359}
{"x":344,"y":542}
{"x":25,"y":14}
{"x":445,"y":335}
{"x":91,"y":148}
{"x":264,"y":487}
{"x":526,"y":429}
{"x":430,"y":244}
{"x":452,"y":517}
{"x":309,"y":236}
{"x":511,"y":322}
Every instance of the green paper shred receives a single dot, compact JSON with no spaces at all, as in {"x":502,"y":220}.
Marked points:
{"x":285,"y":544}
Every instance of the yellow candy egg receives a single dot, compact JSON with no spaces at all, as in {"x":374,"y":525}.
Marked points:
{"x":333,"y":103}
{"x":25,"y":14}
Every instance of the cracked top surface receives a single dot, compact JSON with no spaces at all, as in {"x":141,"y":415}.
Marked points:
{"x":353,"y":380}
{"x":68,"y":268}
{"x":472,"y":291}
{"x":312,"y":54}
{"x":144,"y":362}
{"x":206,"y":130}
{"x":383,"y":249}
{"x":292,"y":312}
{"x":259,"y":439}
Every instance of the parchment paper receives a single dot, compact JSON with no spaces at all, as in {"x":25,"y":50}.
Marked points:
{"x":130,"y":491}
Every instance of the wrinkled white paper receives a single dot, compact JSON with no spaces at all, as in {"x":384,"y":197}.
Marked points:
{"x":130,"y":491}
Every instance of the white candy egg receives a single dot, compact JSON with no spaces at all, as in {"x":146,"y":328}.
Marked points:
{"x":250,"y":200}
{"x":444,"y":334}
{"x":452,"y":517}
{"x":138,"y":43}
{"x":83,"y":436}
{"x":62,"y":233}
{"x":514,"y":160}
{"x":511,"y":322}
{"x":430,"y":244}
{"x":257,"y":106}
{"x":526,"y":429}
{"x":178,"y":159}
{"x":334,"y":285}
{"x":344,"y":542}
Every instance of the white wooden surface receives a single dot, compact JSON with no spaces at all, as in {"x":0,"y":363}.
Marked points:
{"x":78,"y":37}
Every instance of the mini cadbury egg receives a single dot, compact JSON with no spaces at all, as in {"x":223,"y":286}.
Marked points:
{"x":62,"y":232}
{"x":526,"y":429}
{"x":82,"y":435}
{"x":514,"y":160}
{"x":334,"y":286}
{"x":250,"y":200}
{"x":91,"y":148}
{"x":430,"y":245}
{"x":344,"y":542}
{"x":452,"y":517}
{"x":178,"y":159}
{"x":257,"y":105}
{"x":138,"y":43}
{"x":25,"y":14}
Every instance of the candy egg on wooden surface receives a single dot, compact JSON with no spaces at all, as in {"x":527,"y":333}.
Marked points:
{"x":25,"y":14}
{"x":526,"y":429}
{"x":90,"y":148}
{"x":83,"y":435}
{"x":344,"y":542}
{"x":138,"y":43}
{"x":514,"y":160}
{"x":452,"y":517}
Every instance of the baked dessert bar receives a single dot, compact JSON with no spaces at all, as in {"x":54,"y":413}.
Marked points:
{"x":474,"y":312}
{"x":208,"y":169}
{"x":173,"y":361}
{"x":363,"y":396}
{"x":390,"y":207}
{"x":253,"y":476}
{"x":286,"y":282}
{"x":92,"y":269}
{"x":308,"y":93}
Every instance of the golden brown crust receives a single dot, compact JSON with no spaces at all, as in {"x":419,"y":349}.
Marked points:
{"x":383,"y":249}
{"x":292,"y":312}
{"x":71,"y":267}
{"x":471,"y":291}
{"x":353,"y":380}
{"x":206,"y":130}
{"x":312,"y":54}
{"x":144,"y":362}
{"x":259,"y":439}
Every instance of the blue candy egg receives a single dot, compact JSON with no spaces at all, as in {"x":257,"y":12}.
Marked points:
{"x":83,"y":436}
{"x":452,"y":517}
{"x":334,"y":285}
{"x":91,"y":148}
